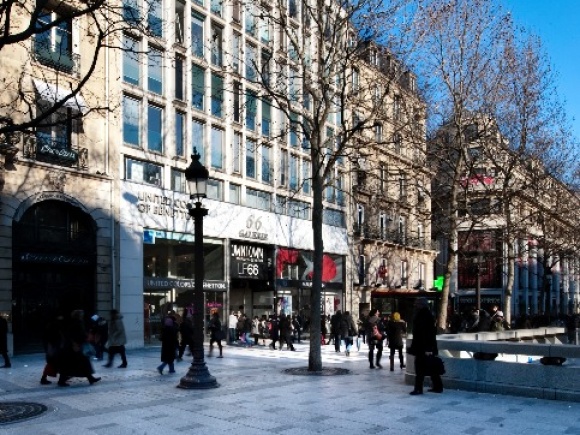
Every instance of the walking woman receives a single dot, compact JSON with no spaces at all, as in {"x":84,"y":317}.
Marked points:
{"x":117,"y":340}
{"x":168,"y":344}
{"x":396,"y":330}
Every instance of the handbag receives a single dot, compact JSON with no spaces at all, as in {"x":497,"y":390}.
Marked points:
{"x":434,"y":366}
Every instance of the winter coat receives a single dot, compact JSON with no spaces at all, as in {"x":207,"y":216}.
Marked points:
{"x":168,"y":342}
{"x":395,"y":333}
{"x":424,"y":333}
{"x":347,"y":326}
{"x":117,"y":335}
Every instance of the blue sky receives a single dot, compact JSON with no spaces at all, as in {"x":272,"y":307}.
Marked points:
{"x":557,"y":22}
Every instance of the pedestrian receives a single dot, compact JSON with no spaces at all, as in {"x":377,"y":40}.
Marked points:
{"x":186,"y":332}
{"x":375,"y":336}
{"x":256,"y":330}
{"x":4,"y":342}
{"x":396,"y":330}
{"x":423,"y":345}
{"x":571,"y":323}
{"x":75,"y":355}
{"x":323,"y":330}
{"x":335,"y":329}
{"x":54,"y":342}
{"x":117,"y":340}
{"x":247,"y":330}
{"x":263,"y":329}
{"x":286,"y":331}
{"x":498,"y":322}
{"x":168,"y":344}
{"x":296,"y":329}
{"x":98,"y":335}
{"x":274,"y":332}
{"x":347,"y":330}
{"x":232,"y":326}
{"x":215,"y":328}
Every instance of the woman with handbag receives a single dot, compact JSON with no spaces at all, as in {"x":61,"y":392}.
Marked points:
{"x":424,"y":347}
{"x":375,"y":337}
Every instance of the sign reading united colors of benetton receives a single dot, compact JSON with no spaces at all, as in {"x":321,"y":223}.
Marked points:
{"x":248,"y":261}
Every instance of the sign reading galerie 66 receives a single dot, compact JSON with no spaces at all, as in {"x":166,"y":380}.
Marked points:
{"x":248,"y":261}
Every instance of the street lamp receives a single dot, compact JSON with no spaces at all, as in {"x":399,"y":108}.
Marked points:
{"x":198,"y":376}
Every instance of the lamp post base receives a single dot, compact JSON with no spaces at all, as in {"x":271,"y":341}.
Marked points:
{"x":198,"y":378}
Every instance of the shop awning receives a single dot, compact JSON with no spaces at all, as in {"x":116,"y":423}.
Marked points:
{"x":53,"y":94}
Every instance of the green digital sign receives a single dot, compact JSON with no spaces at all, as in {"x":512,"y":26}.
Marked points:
{"x":438,"y":283}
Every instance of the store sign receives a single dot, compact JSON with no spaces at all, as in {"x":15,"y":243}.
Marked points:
{"x":151,"y":283}
{"x":253,"y":229}
{"x":29,"y":257}
{"x":248,"y":261}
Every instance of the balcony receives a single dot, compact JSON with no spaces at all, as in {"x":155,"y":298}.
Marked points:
{"x":64,"y":60}
{"x":394,"y":237}
{"x":56,"y":151}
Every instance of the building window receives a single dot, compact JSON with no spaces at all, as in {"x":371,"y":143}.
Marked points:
{"x":294,"y":183}
{"x":216,"y":46}
{"x":250,"y":62}
{"x":292,"y":9}
{"x":283,"y":167}
{"x":216,"y":7}
{"x":382,"y":225}
{"x":402,"y":230}
{"x":143,"y":172}
{"x":378,"y":133}
{"x":397,"y":107}
{"x":250,"y":159}
{"x":197,"y":40}
{"x":306,"y":177}
{"x":154,"y":18}
{"x":383,"y":178}
{"x":298,"y":209}
{"x":131,"y":13}
{"x":197,"y":86}
{"x":155,"y":128}
{"x":179,"y":21}
{"x":235,"y":194}
{"x":397,"y":143}
{"x":264,"y":29}
{"x":237,"y":154}
{"x":236,"y":48}
{"x":53,"y":47}
{"x":340,"y":190}
{"x":155,"y":71}
{"x":178,"y":181}
{"x":294,"y":129}
{"x":237,"y":102}
{"x":250,"y":21}
{"x":236,"y":11}
{"x":360,"y":215}
{"x":404,"y":272}
{"x":402,"y":187}
{"x":251,"y":110}
{"x":258,"y":199}
{"x":54,"y":140}
{"x":131,"y":68}
{"x":355,"y":80}
{"x":198,"y":139}
{"x":217,"y":95}
{"x":179,"y":134}
{"x":333,"y":217}
{"x":179,"y":82}
{"x":329,"y":190}
{"x":266,"y":165}
{"x":131,"y":121}
{"x":217,"y":148}
{"x":214,"y":189}
{"x":266,"y":118}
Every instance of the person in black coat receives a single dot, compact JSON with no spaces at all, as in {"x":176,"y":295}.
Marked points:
{"x":374,"y":324}
{"x":168,"y":344}
{"x":423,"y":345}
{"x":286,"y":331}
{"x":396,"y":330}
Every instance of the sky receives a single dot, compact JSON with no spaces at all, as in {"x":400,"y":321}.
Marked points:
{"x":557,"y":23}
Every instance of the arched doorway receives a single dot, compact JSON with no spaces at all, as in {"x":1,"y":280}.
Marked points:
{"x":54,"y":263}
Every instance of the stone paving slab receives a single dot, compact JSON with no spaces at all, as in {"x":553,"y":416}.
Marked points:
{"x":255,"y":397}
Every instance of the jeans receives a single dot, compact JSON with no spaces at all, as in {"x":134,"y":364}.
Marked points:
{"x":232,"y":333}
{"x":348,"y":341}
{"x":162,"y":366}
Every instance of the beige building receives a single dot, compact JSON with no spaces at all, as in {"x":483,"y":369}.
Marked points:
{"x":516,"y":224}
{"x":57,"y":196}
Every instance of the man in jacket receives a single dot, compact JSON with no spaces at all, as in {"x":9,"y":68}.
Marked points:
{"x":424,"y":344}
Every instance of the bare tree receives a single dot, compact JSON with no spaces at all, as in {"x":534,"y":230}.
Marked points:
{"x":316,"y":78}
{"x":459,"y":59}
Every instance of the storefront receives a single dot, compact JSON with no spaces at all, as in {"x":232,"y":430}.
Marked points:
{"x":241,"y":251}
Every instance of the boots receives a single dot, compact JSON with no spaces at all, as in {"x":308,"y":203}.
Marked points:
{"x":392,"y":360}
{"x":378,"y":363}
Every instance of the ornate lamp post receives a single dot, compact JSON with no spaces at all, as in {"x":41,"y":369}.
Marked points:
{"x":198,"y":376}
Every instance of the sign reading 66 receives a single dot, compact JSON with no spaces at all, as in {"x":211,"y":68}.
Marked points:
{"x":254,"y":223}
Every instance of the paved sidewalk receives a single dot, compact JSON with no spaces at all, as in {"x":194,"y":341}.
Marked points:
{"x":256,"y":398}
